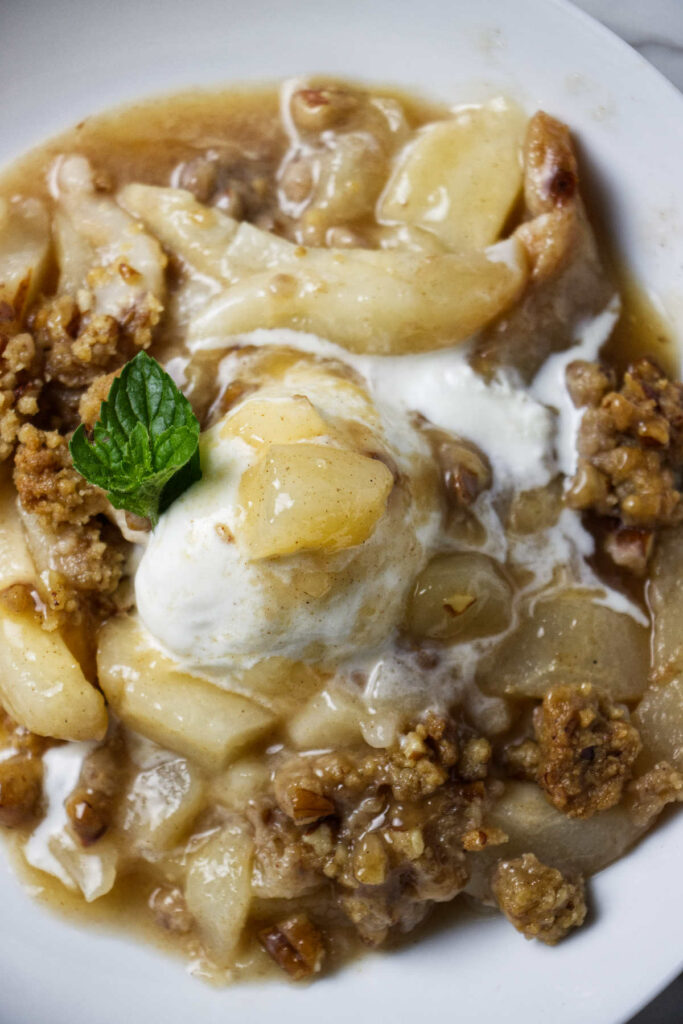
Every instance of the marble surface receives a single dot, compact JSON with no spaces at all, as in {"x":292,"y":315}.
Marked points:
{"x":655,"y":29}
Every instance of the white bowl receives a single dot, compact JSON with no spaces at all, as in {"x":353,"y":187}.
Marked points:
{"x":69,"y":58}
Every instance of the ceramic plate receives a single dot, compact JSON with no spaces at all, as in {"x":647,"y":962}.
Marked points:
{"x":65,"y":59}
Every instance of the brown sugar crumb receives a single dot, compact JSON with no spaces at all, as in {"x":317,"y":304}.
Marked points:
{"x":91,"y":401}
{"x":20,"y":387}
{"x":78,"y":346}
{"x":538,"y":900}
{"x":587,"y":748}
{"x":479,"y":838}
{"x":295,"y":945}
{"x":395,"y":826}
{"x":75,"y":349}
{"x":48,"y":484}
{"x":630,"y":448}
{"x":73,"y":546}
{"x":649,"y":795}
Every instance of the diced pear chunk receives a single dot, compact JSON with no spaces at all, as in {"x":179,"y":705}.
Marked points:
{"x":262,"y":422}
{"x":311,"y":497}
{"x":218,"y":889}
{"x":239,"y":783}
{"x":330,"y":719}
{"x":569,"y":638}
{"x":178,"y":711}
{"x":461,"y":177}
{"x":460,"y":597}
{"x":42,"y":685}
{"x":162,"y":803}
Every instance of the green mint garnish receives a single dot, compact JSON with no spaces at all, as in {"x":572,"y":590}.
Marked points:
{"x":144,"y":451}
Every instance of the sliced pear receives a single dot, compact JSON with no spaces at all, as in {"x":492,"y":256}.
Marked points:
{"x":460,"y":597}
{"x":330,"y":719}
{"x":569,"y":638}
{"x":382,"y":301}
{"x":461,"y":177}
{"x":659,"y":720}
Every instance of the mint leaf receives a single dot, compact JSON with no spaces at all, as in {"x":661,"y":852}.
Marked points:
{"x":144,"y":451}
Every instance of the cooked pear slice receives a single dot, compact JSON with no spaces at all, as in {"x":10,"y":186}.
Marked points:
{"x":387,"y":301}
{"x":218,"y":889}
{"x":42,"y":685}
{"x":180,"y":712}
{"x":261,"y":422}
{"x":461,"y":177}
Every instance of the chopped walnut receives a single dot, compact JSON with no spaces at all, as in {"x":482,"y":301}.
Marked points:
{"x":465,"y":471}
{"x":479,"y":838}
{"x":648,"y":795}
{"x":586,"y":749}
{"x":538,"y":900}
{"x":295,"y":945}
{"x":630,"y":451}
{"x":303,"y":805}
{"x":90,"y":806}
{"x":370,"y":860}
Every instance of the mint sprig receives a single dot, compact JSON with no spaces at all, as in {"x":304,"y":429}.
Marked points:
{"x":144,"y":451}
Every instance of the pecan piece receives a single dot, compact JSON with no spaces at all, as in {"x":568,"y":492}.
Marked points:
{"x":295,"y":945}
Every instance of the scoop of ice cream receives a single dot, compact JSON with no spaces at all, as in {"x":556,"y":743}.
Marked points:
{"x":314,"y":514}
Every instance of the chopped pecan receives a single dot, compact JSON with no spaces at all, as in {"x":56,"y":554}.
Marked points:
{"x":295,"y":945}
